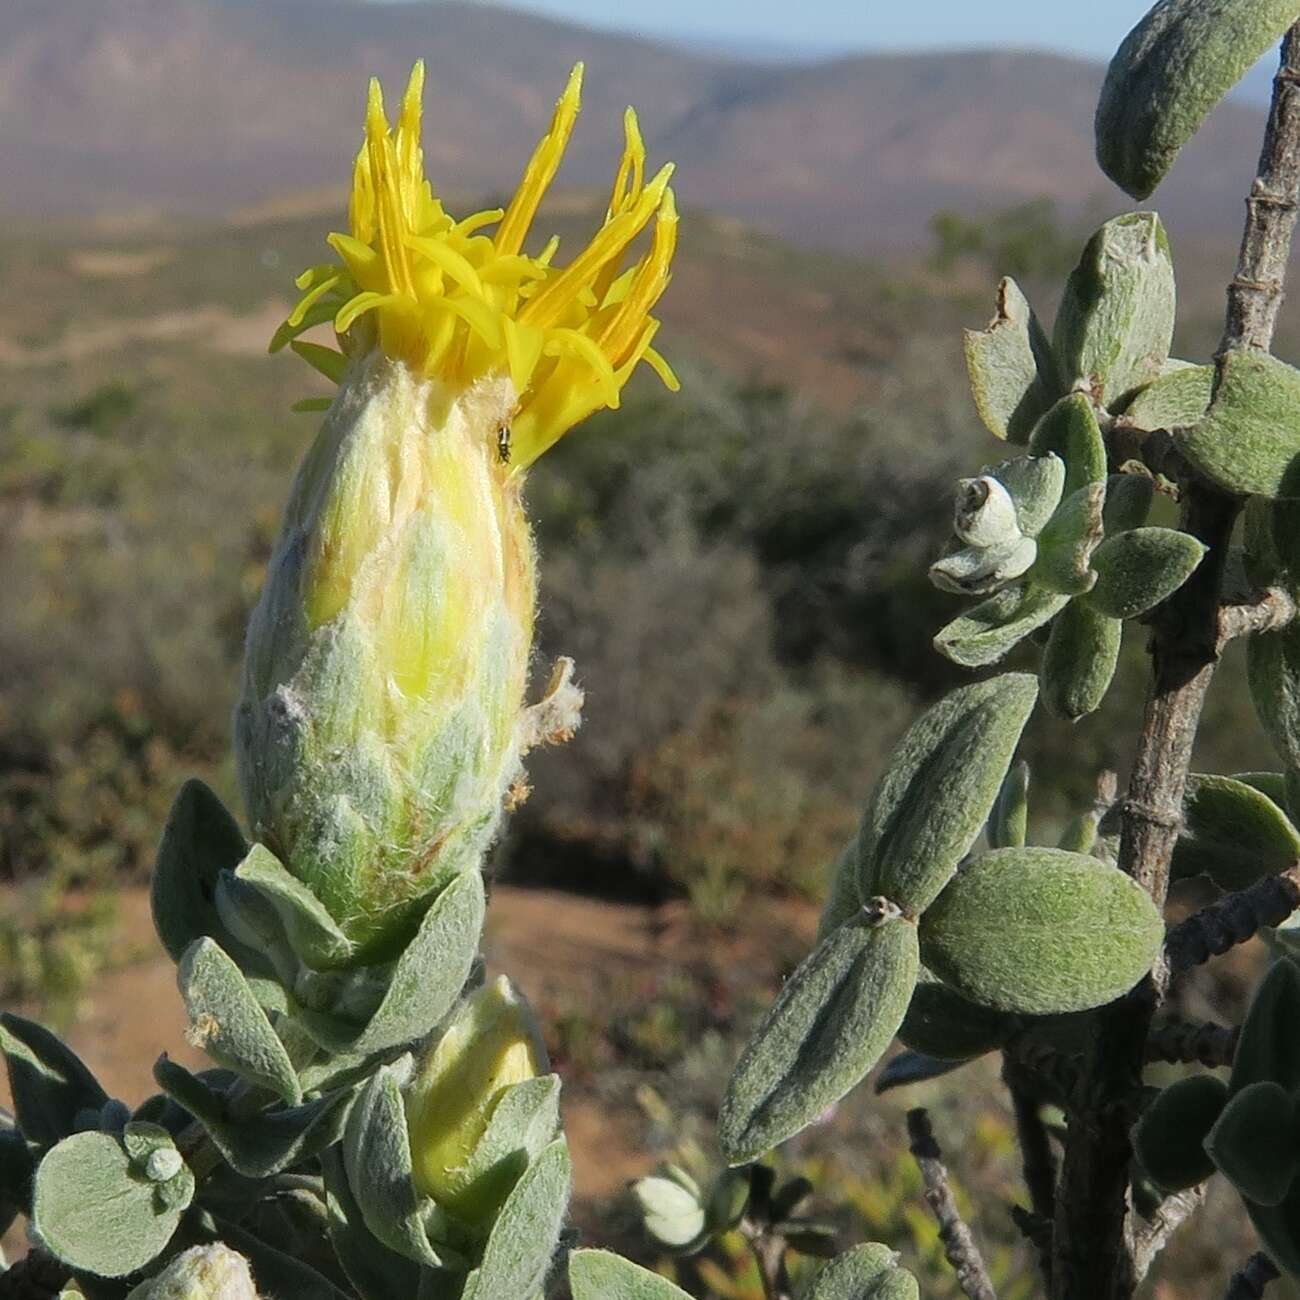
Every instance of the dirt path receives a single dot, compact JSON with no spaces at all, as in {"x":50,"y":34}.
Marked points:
{"x":584,"y":955}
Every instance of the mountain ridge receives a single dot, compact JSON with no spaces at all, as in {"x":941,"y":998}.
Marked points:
{"x":204,"y":106}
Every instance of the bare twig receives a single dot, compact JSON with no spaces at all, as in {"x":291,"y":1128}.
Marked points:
{"x":1264,"y":612}
{"x":1182,"y":1042}
{"x":958,"y":1243}
{"x":768,"y":1249}
{"x":1171,"y":1214}
{"x":1232,"y":920}
{"x":767,"y":1246}
{"x":1249,"y":1284}
{"x":1092,"y":1242}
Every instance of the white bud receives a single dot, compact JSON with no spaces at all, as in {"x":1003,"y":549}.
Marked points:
{"x":163,"y":1164}
{"x":985,"y":514}
{"x":673,"y":1213}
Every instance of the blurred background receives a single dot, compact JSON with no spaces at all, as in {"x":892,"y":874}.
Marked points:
{"x":739,"y":571}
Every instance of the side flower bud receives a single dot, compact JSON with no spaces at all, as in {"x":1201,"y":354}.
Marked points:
{"x":492,"y":1045}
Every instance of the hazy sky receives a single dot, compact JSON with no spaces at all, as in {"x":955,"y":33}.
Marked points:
{"x":1094,"y":28}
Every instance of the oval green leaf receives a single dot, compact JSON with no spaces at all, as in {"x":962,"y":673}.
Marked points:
{"x":1012,"y":373}
{"x":939,"y":787}
{"x":1253,"y":1142}
{"x":1008,"y":824}
{"x":526,"y":1233}
{"x":994,"y":627}
{"x":1041,"y":931}
{"x":1170,"y":71}
{"x":94,"y":1211}
{"x":600,"y":1275}
{"x":945,"y":1026}
{"x":867,"y":1272}
{"x":831,"y":1023}
{"x":1116,"y":319}
{"x":1232,"y":832}
{"x":1140,"y":568}
{"x":229,"y":1024}
{"x":1269,"y":1048}
{"x":1070,"y":431}
{"x":1079,"y":661}
{"x":1251,"y":434}
{"x":1177,"y":400}
{"x":1273,"y":670}
{"x":1169,"y":1137}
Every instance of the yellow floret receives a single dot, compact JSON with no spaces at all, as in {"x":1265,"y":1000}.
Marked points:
{"x":458,"y":305}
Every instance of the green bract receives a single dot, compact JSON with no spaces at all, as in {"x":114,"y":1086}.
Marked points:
{"x":1171,"y":70}
{"x":1041,"y":931}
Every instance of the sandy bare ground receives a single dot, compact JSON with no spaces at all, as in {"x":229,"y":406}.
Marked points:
{"x":556,"y":946}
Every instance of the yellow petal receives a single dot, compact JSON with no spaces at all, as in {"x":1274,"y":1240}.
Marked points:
{"x":541,"y":168}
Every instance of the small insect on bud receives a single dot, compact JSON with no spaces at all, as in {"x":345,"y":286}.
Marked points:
{"x":492,"y":1044}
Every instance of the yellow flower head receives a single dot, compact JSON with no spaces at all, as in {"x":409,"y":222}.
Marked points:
{"x":458,"y":305}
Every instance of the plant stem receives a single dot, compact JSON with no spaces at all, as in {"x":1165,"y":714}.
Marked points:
{"x":1035,"y":1145}
{"x":768,"y":1250}
{"x":958,"y":1243}
{"x":1232,"y":920}
{"x":1180,"y":1042}
{"x":1094,"y":1257}
{"x":1171,"y":1214}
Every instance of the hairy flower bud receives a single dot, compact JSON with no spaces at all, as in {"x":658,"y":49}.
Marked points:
{"x":492,"y":1044}
{"x":382,"y":718}
{"x":387,"y":658}
{"x":201,"y":1273}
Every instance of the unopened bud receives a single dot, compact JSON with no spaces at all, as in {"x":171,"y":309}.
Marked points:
{"x":492,"y":1044}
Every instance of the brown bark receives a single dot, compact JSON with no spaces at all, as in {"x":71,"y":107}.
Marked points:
{"x":1094,"y":1251}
